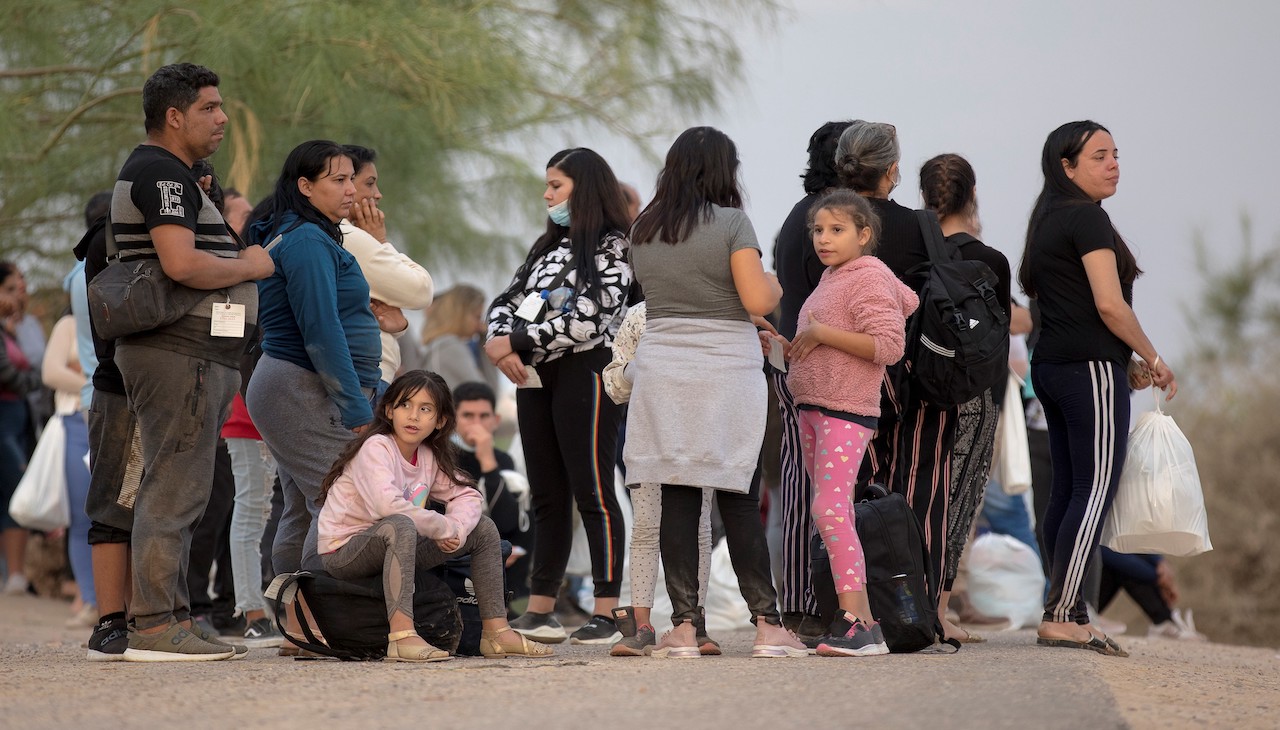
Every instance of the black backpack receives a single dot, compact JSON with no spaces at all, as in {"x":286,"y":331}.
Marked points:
{"x":352,"y":614}
{"x":900,"y":585}
{"x":957,"y":341}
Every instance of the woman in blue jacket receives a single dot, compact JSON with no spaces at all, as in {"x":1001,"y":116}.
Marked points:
{"x":310,"y":392}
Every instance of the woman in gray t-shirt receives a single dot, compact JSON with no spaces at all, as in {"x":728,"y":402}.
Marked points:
{"x":698,"y":402}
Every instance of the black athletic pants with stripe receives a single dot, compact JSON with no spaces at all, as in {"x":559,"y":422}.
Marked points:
{"x":569,"y":429}
{"x":1087,"y":407}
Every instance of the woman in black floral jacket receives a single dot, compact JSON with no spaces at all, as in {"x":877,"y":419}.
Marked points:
{"x":550,"y":333}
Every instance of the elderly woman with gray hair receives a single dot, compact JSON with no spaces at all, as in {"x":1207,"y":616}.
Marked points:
{"x":911,"y":451}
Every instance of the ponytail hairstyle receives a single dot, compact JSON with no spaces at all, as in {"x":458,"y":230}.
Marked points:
{"x":597,"y":208}
{"x":1066,"y":143}
{"x":855,"y":208}
{"x":311,"y":160}
{"x":947,"y":183}
{"x":701,"y":170}
{"x":439,"y":441}
{"x":865,"y":153}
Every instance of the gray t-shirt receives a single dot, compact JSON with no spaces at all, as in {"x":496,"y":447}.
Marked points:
{"x":692,"y":278}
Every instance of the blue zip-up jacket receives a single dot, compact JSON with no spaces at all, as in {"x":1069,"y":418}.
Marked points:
{"x":314,"y":312}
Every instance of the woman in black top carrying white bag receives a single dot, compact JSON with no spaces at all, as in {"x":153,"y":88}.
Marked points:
{"x":1081,"y":273}
{"x":550,"y":333}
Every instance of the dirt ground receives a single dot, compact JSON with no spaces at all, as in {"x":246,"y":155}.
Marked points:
{"x":1006,"y":683}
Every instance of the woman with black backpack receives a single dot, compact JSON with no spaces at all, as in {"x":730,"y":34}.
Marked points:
{"x":1081,"y":273}
{"x":949,"y":188}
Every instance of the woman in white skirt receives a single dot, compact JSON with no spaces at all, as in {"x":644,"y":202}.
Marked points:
{"x":698,"y":401}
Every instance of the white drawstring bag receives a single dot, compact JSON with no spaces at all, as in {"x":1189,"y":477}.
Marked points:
{"x":1013,"y":452}
{"x":1159,"y":507}
{"x":1005,"y":580}
{"x":40,"y":500}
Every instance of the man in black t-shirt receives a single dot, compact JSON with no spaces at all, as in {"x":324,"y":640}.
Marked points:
{"x":179,"y":378}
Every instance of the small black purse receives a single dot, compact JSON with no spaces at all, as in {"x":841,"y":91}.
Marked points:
{"x":136,"y":296}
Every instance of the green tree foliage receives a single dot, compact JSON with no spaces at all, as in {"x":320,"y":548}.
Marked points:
{"x":450,"y":92}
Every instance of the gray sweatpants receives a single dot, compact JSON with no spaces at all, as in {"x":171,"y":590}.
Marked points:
{"x":180,"y":403}
{"x":301,"y":425}
{"x":392,"y":548}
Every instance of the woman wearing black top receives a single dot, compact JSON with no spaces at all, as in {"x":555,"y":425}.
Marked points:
{"x":798,"y":272}
{"x":948,"y":186}
{"x":1081,"y":274}
{"x":911,"y":451}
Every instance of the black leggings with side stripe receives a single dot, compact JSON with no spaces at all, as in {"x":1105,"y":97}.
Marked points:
{"x":1087,"y":407}
{"x":569,"y":429}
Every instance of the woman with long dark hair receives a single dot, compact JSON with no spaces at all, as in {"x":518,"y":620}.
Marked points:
{"x":311,"y":389}
{"x":1081,"y":273}
{"x":698,"y":405}
{"x":550,"y":333}
{"x":949,"y":188}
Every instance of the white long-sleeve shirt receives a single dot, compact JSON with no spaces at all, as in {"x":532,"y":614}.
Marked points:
{"x":393,"y":278}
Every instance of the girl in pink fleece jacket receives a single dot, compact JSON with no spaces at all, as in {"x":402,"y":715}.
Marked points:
{"x":375,"y":520}
{"x":850,"y":328}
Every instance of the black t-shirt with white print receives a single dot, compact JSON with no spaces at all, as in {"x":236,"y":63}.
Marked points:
{"x":1071,"y":330}
{"x":156,"y":188}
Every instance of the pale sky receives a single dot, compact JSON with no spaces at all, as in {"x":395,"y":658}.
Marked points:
{"x":1187,"y":88}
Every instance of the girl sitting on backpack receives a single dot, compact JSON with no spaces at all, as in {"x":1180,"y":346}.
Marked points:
{"x":374,"y":517}
{"x":849,"y":329}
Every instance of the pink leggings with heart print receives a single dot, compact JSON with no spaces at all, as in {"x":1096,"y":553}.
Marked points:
{"x":833,"y":450}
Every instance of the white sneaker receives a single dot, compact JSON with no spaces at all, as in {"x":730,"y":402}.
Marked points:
{"x":1179,"y":626}
{"x":16,"y":585}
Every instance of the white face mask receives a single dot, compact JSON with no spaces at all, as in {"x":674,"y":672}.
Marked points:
{"x":461,"y":444}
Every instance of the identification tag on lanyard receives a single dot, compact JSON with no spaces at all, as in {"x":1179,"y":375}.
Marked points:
{"x":227,"y":320}
{"x":531,"y":307}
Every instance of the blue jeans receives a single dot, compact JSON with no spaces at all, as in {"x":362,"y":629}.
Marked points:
{"x":255,"y":474}
{"x":1006,"y":514}
{"x":77,"y":491}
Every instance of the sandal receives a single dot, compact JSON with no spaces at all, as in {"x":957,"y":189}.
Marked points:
{"x":490,"y":647}
{"x":970,"y":637}
{"x":1093,"y":644}
{"x":428,"y":653}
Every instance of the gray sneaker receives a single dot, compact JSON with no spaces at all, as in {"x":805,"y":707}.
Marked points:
{"x":174,"y":644}
{"x":636,"y":640}
{"x":241,"y":651}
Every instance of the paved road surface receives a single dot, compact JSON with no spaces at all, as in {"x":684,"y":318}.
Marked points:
{"x":1006,"y":683}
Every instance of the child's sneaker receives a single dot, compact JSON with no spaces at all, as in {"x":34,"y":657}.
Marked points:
{"x":109,"y":640}
{"x":541,"y":627}
{"x":636,"y":640}
{"x":599,"y":630}
{"x":851,"y":637}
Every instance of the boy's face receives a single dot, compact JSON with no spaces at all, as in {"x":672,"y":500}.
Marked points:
{"x":471,"y":413}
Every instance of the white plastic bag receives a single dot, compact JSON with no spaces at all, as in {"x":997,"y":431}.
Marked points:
{"x":40,"y":499}
{"x":1005,"y":580}
{"x":1159,"y":507}
{"x":1013,"y":452}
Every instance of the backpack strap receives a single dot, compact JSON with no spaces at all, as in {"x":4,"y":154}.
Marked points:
{"x":933,"y":240}
{"x":284,"y":590}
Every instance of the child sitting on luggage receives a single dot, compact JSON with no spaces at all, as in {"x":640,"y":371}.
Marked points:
{"x":850,"y":328}
{"x":373,"y":518}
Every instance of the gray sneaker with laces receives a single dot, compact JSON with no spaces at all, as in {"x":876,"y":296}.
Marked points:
{"x":636,"y":640}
